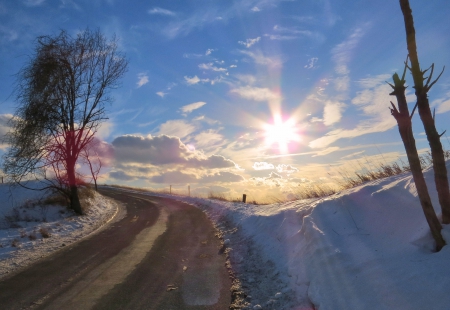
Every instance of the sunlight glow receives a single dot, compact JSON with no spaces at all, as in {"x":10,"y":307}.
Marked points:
{"x":281,"y":133}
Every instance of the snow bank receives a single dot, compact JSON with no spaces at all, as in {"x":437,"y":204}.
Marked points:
{"x":364,"y":248}
{"x":30,"y":230}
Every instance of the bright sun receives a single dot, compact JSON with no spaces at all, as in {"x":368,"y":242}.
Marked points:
{"x":281,"y":133}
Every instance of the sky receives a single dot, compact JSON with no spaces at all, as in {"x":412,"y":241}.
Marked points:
{"x":254,"y":96}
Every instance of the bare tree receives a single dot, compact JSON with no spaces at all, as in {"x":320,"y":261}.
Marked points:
{"x":427,"y":118}
{"x":61,"y":95}
{"x":92,"y":155}
{"x":403,"y":118}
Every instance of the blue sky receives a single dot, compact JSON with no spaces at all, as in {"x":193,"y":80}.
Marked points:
{"x":207,"y":81}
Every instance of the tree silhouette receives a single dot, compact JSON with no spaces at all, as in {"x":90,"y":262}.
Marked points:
{"x":61,"y":95}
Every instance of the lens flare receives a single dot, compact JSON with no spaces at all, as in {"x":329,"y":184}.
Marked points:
{"x":281,"y":133}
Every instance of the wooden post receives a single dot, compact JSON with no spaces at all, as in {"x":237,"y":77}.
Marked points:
{"x":170,"y":190}
{"x":244,"y":198}
{"x":189,"y":190}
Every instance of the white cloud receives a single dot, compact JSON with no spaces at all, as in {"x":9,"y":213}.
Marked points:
{"x":255,"y":9}
{"x":209,"y":138}
{"x":442,"y":104}
{"x":209,"y":51}
{"x":164,"y":150}
{"x":249,"y":42}
{"x":262,"y":166}
{"x":289,"y":169}
{"x":375,"y":117}
{"x":332,"y":112}
{"x":311,"y":63}
{"x":191,"y":107}
{"x":161,"y":94}
{"x":33,"y":2}
{"x":142,"y":79}
{"x":233,"y":66}
{"x":279,"y":37}
{"x":160,"y":11}
{"x":178,"y":128}
{"x":195,"y":80}
{"x":210,"y":66}
{"x":257,"y":94}
{"x":259,"y":58}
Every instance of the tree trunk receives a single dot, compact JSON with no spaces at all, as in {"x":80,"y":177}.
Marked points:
{"x":437,"y":152}
{"x":403,"y":119}
{"x":74,"y":199}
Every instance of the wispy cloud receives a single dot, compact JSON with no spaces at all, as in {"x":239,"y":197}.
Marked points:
{"x":210,"y":66}
{"x":142,"y":79}
{"x":259,"y":58}
{"x":257,"y":94}
{"x":312,"y":63}
{"x":332,"y":112}
{"x":161,"y":94}
{"x":375,"y":116}
{"x":342,"y":55}
{"x":195,"y":80}
{"x":255,"y":9}
{"x":191,"y":107}
{"x":177,"y":128}
{"x":161,"y":11}
{"x":33,"y":2}
{"x":249,"y":42}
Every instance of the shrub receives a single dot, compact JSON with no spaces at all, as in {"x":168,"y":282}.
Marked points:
{"x":44,"y":232}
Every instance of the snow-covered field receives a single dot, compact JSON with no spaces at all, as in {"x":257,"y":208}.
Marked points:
{"x":364,"y":248}
{"x":30,"y":230}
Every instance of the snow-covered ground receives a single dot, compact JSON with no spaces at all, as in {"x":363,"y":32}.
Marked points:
{"x":365,"y":248}
{"x":24,"y":222}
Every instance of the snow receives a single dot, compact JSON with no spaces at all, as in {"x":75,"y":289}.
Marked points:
{"x":364,"y":248}
{"x":23,"y":217}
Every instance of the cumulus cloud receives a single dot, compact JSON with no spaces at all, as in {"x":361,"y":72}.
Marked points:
{"x":209,"y":51}
{"x":142,"y":79}
{"x":257,"y":94}
{"x":262,"y":166}
{"x":164,"y":150}
{"x":174,"y":177}
{"x":178,"y":128}
{"x":249,"y":42}
{"x":160,"y":11}
{"x":274,"y":175}
{"x":191,"y":107}
{"x":222,"y":177}
{"x":161,"y":94}
{"x":282,"y":168}
{"x":4,"y":128}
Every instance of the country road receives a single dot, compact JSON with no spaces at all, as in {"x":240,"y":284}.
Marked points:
{"x":162,"y":254}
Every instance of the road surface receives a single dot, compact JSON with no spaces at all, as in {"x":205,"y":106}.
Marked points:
{"x":162,"y":254}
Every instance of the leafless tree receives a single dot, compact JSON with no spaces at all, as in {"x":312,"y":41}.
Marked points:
{"x":403,"y":118}
{"x":423,"y":107}
{"x":61,"y":94}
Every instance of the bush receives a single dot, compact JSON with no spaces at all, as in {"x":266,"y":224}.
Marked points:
{"x":44,"y":232}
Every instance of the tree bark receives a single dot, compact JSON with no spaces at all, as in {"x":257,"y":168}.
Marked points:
{"x":421,"y":91}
